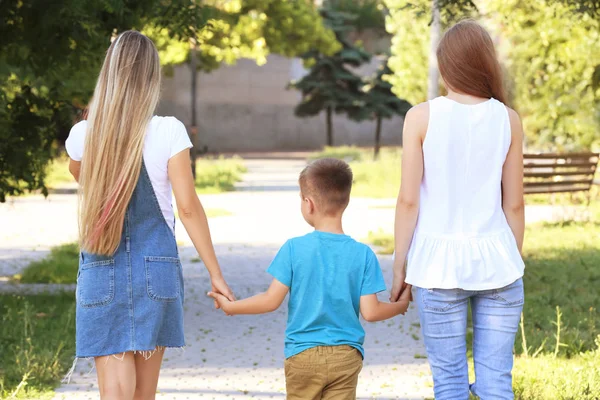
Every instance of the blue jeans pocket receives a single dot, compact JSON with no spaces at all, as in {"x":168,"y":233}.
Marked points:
{"x":511,"y":295}
{"x":162,"y":278}
{"x":96,"y":283}
{"x":440,"y":300}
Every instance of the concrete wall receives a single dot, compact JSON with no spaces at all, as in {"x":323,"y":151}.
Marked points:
{"x":245,"y":107}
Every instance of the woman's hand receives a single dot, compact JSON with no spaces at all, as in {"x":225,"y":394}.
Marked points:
{"x":219,"y":286}
{"x":221,"y":302}
{"x":399,"y":285}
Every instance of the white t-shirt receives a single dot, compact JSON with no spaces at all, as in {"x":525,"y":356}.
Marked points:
{"x":165,"y":137}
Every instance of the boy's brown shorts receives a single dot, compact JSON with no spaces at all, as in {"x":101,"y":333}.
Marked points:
{"x":324,"y":372}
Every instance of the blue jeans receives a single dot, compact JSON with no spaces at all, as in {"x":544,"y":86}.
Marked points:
{"x":496,"y":315}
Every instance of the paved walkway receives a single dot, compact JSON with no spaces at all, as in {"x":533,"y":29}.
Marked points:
{"x":235,"y":357}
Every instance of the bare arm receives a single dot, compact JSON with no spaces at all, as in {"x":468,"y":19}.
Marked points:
{"x":374,"y":310}
{"x":260,"y":304}
{"x":513,"y":202}
{"x":194,"y":219}
{"x":407,"y":206}
{"x":74,"y":168}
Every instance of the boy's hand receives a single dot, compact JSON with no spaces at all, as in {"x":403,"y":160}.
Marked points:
{"x":218,"y":285}
{"x":222,"y":302}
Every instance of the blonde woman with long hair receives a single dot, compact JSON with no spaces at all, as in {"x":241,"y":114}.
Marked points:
{"x":130,"y":281}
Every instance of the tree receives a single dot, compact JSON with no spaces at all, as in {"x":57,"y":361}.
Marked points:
{"x":553,"y":52}
{"x":330,"y":85}
{"x":50,"y":57}
{"x":48,"y":62}
{"x":209,"y":33}
{"x":416,"y":26}
{"x":381,"y":102}
{"x":549,"y":49}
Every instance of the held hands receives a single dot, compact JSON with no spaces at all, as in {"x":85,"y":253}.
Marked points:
{"x":220,"y":288}
{"x":221,"y":302}
{"x":399,"y":285}
{"x":406,"y":297}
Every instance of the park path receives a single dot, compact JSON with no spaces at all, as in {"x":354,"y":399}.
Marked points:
{"x":235,"y":357}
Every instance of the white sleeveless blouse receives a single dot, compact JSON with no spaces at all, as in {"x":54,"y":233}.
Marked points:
{"x":462,"y":239}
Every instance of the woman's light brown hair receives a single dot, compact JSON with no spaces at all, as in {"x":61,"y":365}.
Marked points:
{"x":468,"y":63}
{"x":124,"y":100}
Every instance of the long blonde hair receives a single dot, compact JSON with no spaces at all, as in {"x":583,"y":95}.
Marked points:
{"x":124,"y":101}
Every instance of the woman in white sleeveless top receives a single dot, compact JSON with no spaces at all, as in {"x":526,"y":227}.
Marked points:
{"x":460,"y":219}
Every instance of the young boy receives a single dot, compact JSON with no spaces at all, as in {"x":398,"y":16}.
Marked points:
{"x":330,"y":277}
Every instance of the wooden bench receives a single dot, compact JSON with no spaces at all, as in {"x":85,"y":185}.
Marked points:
{"x":559,"y":173}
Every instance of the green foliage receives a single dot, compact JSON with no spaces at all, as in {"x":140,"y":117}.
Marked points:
{"x":227,"y":31}
{"x":330,"y":84}
{"x":409,"y":22}
{"x":553,"y":56}
{"x":57,"y":172}
{"x":369,"y":13}
{"x":59,"y":267}
{"x":48,"y":61}
{"x":50,"y":56}
{"x":37,"y":338}
{"x":410,"y":49}
{"x":381,"y":103}
{"x":218,"y":175}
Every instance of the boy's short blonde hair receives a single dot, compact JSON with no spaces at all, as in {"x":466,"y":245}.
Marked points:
{"x":329,"y":182}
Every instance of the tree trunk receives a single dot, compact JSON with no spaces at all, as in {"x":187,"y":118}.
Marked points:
{"x":329,"y":127}
{"x":194,"y":127}
{"x":377,"y":138}
{"x":436,"y":28}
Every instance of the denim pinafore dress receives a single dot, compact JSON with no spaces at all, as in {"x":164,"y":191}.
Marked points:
{"x":132,"y":300}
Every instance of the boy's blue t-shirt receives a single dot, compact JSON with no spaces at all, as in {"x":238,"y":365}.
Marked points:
{"x":327,"y":273}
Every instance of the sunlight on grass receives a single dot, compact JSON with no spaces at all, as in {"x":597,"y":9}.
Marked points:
{"x":59,"y":267}
{"x":217,"y":212}
{"x":57,"y":172}
{"x":37,"y":338}
{"x":374,"y":179}
{"x":383,"y":241}
{"x":213,"y":175}
{"x":546,"y":377}
{"x":218,"y":175}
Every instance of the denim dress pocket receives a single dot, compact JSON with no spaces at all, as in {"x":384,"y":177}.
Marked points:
{"x":96,"y":283}
{"x":162,"y":278}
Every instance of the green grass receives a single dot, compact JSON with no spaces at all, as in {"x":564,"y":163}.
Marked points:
{"x":57,"y":172}
{"x":375,"y":179}
{"x":59,"y":267}
{"x":547,"y":378}
{"x":558,"y":358}
{"x":217,"y":212}
{"x":218,"y":175}
{"x":37,"y":338}
{"x":346,"y":153}
{"x":383,"y":241}
{"x":563,"y":271}
{"x":213,"y":175}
